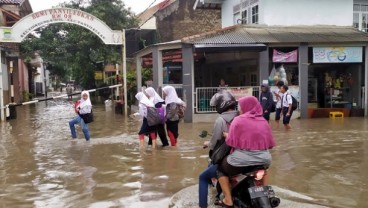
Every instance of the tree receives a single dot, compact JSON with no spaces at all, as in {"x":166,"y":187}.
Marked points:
{"x":73,"y":48}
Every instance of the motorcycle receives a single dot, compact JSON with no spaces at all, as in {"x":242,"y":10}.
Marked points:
{"x":248,"y":188}
{"x":249,"y":191}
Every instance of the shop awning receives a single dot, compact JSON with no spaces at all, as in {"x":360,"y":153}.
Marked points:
{"x":229,"y":47}
{"x":261,"y":34}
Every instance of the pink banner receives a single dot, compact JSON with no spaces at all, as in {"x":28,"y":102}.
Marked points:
{"x":280,"y":57}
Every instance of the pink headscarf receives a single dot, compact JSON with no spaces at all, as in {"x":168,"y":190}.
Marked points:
{"x":250,"y":131}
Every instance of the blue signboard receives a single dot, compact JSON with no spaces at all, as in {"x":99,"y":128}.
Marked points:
{"x":337,"y":54}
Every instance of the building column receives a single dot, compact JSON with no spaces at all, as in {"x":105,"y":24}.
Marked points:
{"x":188,"y":81}
{"x":138,"y":62}
{"x":303,"y":79}
{"x":264,"y":65}
{"x":157,"y":68}
{"x":2,"y":110}
{"x":366,"y":82}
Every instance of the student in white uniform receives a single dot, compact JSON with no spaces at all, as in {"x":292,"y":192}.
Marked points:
{"x":278,"y":96}
{"x":286,"y":103}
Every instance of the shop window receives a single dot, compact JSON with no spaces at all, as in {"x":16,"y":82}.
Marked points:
{"x":255,"y":14}
{"x":360,"y":16}
{"x":364,"y":23}
{"x":246,"y":13}
{"x":244,"y":19}
{"x":356,"y":7}
{"x":237,"y":18}
{"x":253,"y":80}
{"x":356,"y":20}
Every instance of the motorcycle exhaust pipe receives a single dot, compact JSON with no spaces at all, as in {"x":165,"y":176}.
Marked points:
{"x":275,"y":201}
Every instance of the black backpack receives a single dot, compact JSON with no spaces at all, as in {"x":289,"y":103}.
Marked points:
{"x":294,"y":106}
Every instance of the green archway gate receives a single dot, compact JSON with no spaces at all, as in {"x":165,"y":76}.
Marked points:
{"x":33,"y":21}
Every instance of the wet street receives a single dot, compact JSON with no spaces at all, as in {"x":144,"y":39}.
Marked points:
{"x":319,"y":162}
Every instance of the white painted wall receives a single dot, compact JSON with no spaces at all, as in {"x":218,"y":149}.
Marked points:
{"x":227,"y":14}
{"x":306,"y":12}
{"x":150,"y":24}
{"x":296,"y":12}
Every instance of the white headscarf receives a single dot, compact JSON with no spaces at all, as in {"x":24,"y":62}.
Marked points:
{"x":85,"y":105}
{"x":144,"y":102}
{"x":171,"y":96}
{"x":153,"y":96}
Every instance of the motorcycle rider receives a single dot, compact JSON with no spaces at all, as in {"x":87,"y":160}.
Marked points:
{"x":226,"y":106}
{"x":251,"y":137}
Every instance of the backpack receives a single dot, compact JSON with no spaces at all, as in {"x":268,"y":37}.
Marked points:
{"x":273,"y":107}
{"x":221,"y":149}
{"x":181,"y":110}
{"x":294,"y":106}
{"x":154,"y":116}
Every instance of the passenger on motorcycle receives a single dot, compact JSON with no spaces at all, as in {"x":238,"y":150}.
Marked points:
{"x":225,"y":105}
{"x":251,"y":137}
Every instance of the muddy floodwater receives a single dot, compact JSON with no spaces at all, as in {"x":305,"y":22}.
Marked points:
{"x":319,"y":162}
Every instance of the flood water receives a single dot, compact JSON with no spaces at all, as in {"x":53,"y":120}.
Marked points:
{"x":320,"y":161}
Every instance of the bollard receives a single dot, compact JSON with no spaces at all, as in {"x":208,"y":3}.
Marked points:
{"x":11,"y":112}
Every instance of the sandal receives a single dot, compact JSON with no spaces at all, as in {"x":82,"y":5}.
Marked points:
{"x":222,"y":204}
{"x":217,"y":201}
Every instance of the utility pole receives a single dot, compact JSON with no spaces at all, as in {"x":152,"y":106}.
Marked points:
{"x":11,"y":82}
{"x":44,"y":77}
{"x":123,"y":51}
{"x":117,"y":82}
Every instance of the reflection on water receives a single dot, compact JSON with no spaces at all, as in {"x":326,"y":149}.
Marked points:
{"x":40,"y":166}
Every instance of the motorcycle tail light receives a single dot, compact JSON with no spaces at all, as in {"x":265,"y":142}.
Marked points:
{"x":236,"y":179}
{"x":259,"y":175}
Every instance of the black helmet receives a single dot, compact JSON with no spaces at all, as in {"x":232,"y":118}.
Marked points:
{"x":223,"y":101}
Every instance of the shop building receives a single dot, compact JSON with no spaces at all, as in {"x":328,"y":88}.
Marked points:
{"x":322,"y":57}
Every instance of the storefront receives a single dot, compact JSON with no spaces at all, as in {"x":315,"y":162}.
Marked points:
{"x":335,"y":78}
{"x":324,"y":67}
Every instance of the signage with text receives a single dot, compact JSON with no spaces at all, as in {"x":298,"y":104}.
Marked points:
{"x":60,"y":15}
{"x":337,"y":54}
{"x":281,"y":57}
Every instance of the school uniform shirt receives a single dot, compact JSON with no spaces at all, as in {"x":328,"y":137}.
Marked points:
{"x":278,"y":104}
{"x":286,"y":100}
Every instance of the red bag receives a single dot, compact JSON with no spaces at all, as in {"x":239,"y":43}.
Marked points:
{"x":76,"y":104}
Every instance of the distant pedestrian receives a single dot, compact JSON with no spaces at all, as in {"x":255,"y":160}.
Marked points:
{"x":223,"y":83}
{"x":144,"y":102}
{"x":172,"y":117}
{"x":287,"y":103}
{"x":82,"y":107}
{"x":266,"y":100}
{"x":158,"y":101}
{"x":69,"y":91}
{"x":278,"y":94}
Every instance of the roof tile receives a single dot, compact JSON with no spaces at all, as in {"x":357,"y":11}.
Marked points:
{"x":11,"y":1}
{"x":250,"y":34}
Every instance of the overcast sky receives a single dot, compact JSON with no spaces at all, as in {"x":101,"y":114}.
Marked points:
{"x":136,"y":5}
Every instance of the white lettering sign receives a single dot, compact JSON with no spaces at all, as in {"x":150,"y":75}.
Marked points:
{"x":60,"y":15}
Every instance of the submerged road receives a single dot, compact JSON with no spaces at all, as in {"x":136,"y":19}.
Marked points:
{"x":320,"y":162}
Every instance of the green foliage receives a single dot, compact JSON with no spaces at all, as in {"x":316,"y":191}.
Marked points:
{"x":73,"y":51}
